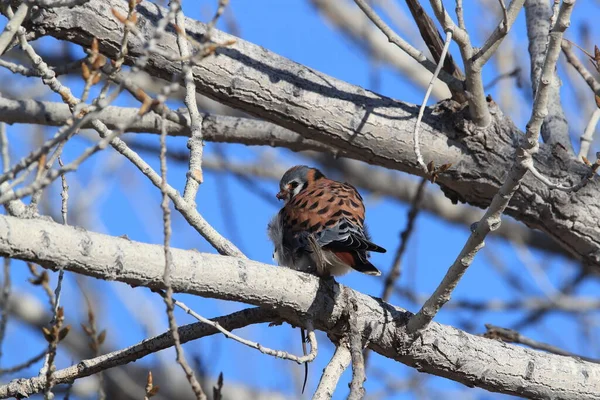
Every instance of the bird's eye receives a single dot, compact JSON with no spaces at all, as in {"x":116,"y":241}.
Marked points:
{"x":293,"y":184}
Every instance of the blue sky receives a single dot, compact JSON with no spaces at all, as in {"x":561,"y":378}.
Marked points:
{"x":129,"y":205}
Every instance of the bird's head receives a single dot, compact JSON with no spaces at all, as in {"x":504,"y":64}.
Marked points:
{"x":295,"y":180}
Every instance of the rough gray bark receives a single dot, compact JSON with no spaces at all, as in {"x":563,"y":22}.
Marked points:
{"x":441,"y":350}
{"x":555,"y":129}
{"x":256,"y":132}
{"x":364,"y":125}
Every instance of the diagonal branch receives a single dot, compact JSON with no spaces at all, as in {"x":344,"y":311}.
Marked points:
{"x":435,"y":44}
{"x":237,"y":320}
{"x":491,"y":220}
{"x":493,"y":42}
{"x":587,"y":76}
{"x":453,"y":83}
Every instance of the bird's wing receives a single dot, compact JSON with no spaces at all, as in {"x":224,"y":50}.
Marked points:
{"x":332,"y":212}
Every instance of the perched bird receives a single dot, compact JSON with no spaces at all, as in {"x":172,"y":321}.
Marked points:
{"x":320,"y":228}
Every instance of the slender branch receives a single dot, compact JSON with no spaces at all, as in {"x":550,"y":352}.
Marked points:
{"x":265,"y":350}
{"x":478,"y":107}
{"x":174,"y":7}
{"x":559,"y":186}
{"x":416,"y":143}
{"x":460,"y":35}
{"x":4,"y":297}
{"x":491,"y":220}
{"x":333,"y":371}
{"x":4,"y":153}
{"x":240,"y":319}
{"x":512,"y":336}
{"x":194,"y":175}
{"x":588,"y":133}
{"x":555,"y":128}
{"x":493,"y":42}
{"x":460,"y":15}
{"x":394,"y":274}
{"x":23,"y":365}
{"x":393,"y":37}
{"x":12,"y":26}
{"x":356,"y":25}
{"x":432,"y":38}
{"x":587,"y":76}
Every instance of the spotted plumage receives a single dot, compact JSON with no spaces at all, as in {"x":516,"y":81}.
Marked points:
{"x":320,"y":228}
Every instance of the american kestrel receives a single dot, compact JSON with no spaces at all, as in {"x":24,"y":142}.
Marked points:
{"x":320,"y":228}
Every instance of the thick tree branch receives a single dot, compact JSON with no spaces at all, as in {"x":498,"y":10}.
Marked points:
{"x":333,"y":371}
{"x":441,"y":350}
{"x":362,"y":124}
{"x":217,"y":128}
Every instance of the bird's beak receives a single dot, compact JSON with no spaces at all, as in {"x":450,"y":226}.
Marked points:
{"x":281,"y":195}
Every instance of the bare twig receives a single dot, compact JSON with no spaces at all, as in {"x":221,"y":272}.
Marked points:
{"x":4,"y":296}
{"x":491,"y":220}
{"x":493,"y":42}
{"x":265,"y":350}
{"x":53,"y":335}
{"x":23,"y":365}
{"x":592,"y":82}
{"x":4,"y":153}
{"x":432,"y":38}
{"x":240,"y":319}
{"x":13,"y":25}
{"x":588,"y":134}
{"x":394,"y":274}
{"x":96,"y":339}
{"x":356,"y":25}
{"x":417,"y":146}
{"x":565,"y":188}
{"x":168,"y":298}
{"x":460,"y":15}
{"x":515,"y":73}
{"x":218,"y":388}
{"x":478,"y":108}
{"x":195,"y":143}
{"x":451,"y":81}
{"x":512,"y":336}
{"x":555,"y":128}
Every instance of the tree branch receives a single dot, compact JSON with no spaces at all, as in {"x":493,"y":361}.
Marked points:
{"x":555,"y":128}
{"x":224,"y":129}
{"x":365,"y":126}
{"x":441,"y":350}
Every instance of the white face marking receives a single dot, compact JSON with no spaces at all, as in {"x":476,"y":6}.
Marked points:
{"x":297,"y":189}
